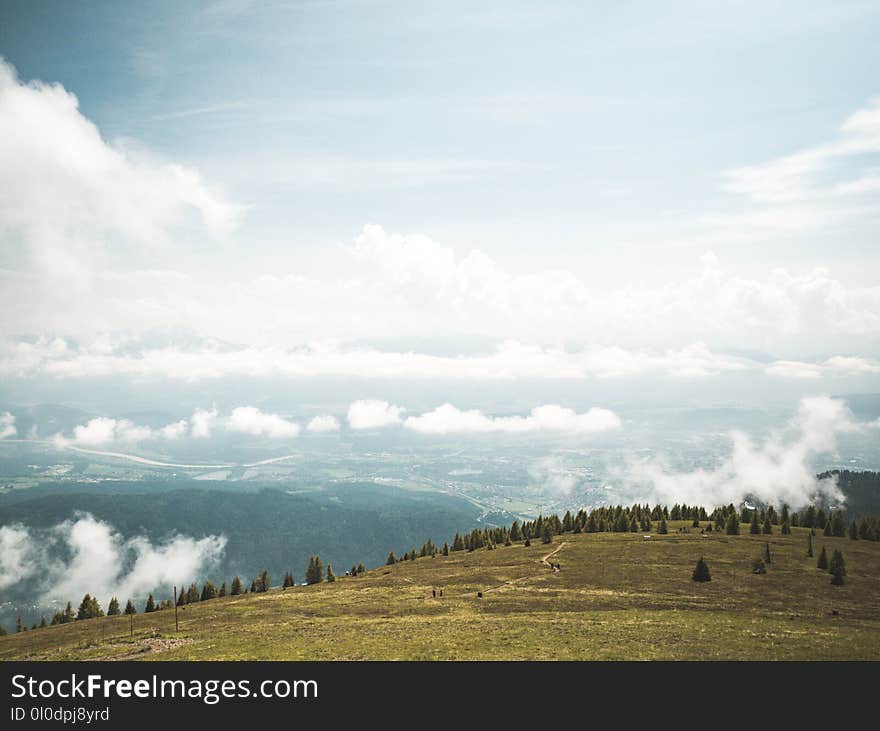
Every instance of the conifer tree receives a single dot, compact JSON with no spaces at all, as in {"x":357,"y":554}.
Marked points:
{"x":701,"y":571}
{"x":853,"y":531}
{"x":315,"y":570}
{"x":263,"y":581}
{"x":253,"y":586}
{"x":235,"y":587}
{"x":457,"y":543}
{"x":663,"y":529}
{"x":827,"y":531}
{"x":754,"y":528}
{"x":731,"y":528}
{"x":129,"y":608}
{"x":546,"y":535}
{"x":330,"y":575}
{"x":209,"y":591}
{"x":89,"y":608}
{"x":150,"y":605}
{"x":515,"y":532}
{"x":43,"y":618}
{"x":391,"y":560}
{"x":838,"y":527}
{"x":223,"y":591}
{"x":837,"y":568}
{"x":822,"y":563}
{"x":785,"y":529}
{"x":361,"y":569}
{"x":113,"y":607}
{"x":767,"y":529}
{"x":288,"y":580}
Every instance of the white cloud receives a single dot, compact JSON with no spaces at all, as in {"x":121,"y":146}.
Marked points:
{"x":509,"y":360}
{"x":250,"y":420}
{"x":103,"y":430}
{"x":778,"y":471}
{"x":17,"y":555}
{"x":175,"y":430}
{"x":323,"y":423}
{"x":371,"y":414}
{"x":103,"y":563}
{"x":202,"y":422}
{"x":67,"y":190}
{"x":7,"y":425}
{"x":447,"y":419}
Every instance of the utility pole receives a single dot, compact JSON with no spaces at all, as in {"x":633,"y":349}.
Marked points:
{"x":176,"y":624}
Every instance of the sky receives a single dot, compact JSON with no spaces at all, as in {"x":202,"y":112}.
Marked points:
{"x":436,"y":191}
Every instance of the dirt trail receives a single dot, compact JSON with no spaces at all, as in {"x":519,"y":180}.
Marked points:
{"x":544,"y":561}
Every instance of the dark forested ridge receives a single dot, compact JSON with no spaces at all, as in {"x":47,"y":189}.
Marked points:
{"x":862,"y":491}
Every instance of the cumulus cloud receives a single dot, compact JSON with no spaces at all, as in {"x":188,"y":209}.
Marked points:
{"x":104,"y":430}
{"x":101,"y":561}
{"x":176,"y":430}
{"x":250,"y":420}
{"x":202,"y":422}
{"x":65,"y":186}
{"x":779,"y":470}
{"x":324,"y":423}
{"x":447,"y":419}
{"x":372,"y":414}
{"x":7,"y":425}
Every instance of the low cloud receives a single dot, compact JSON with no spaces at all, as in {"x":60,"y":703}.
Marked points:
{"x":372,"y":414}
{"x":100,"y":561}
{"x":780,"y":470}
{"x":250,"y":420}
{"x":7,"y":425}
{"x":447,"y":419}
{"x":325,"y":423}
{"x":202,"y":422}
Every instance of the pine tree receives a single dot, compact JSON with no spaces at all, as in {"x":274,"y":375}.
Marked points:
{"x":392,"y":559}
{"x":546,"y":535}
{"x":113,"y":607}
{"x":838,"y":527}
{"x":809,"y":545}
{"x":193,"y":594}
{"x":361,"y":569}
{"x":663,"y":529}
{"x":701,"y":571}
{"x":732,"y":525}
{"x":785,"y":529}
{"x":288,"y":580}
{"x":150,"y":605}
{"x":515,"y":531}
{"x":754,"y":527}
{"x":827,"y":531}
{"x":43,"y":618}
{"x":209,"y":591}
{"x":315,"y":570}
{"x":235,"y":587}
{"x":89,"y":608}
{"x":767,"y":529}
{"x":822,"y":563}
{"x":330,"y":575}
{"x":223,"y":591}
{"x":853,"y":531}
{"x":129,"y":608}
{"x":263,"y":581}
{"x":837,"y":568}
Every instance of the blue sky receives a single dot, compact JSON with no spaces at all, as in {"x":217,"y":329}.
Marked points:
{"x":548,"y":134}
{"x":634,"y":187}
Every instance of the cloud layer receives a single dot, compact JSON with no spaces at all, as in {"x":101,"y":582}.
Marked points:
{"x":447,"y":419}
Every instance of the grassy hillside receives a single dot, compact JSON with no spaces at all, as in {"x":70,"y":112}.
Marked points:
{"x":616,"y":596}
